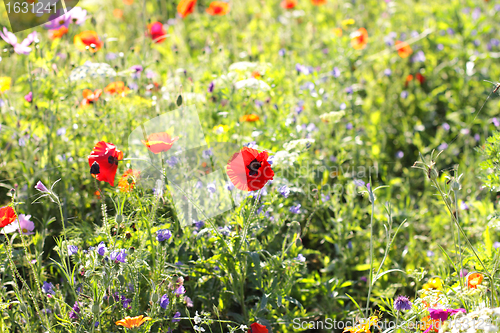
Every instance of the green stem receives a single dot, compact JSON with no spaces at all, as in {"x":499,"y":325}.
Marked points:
{"x":459,"y":241}
{"x":370,"y":282}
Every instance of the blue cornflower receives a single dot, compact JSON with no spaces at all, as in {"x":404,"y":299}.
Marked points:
{"x":72,"y":249}
{"x":163,"y":235}
{"x":164,"y":301}
{"x":47,"y":288}
{"x":101,"y":248}
{"x":176,"y":315}
{"x":118,"y":255}
{"x":402,"y":303}
{"x":284,"y":191}
{"x":295,"y":209}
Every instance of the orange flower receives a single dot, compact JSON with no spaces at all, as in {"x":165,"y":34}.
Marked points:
{"x":158,"y":142}
{"x":88,"y":40}
{"x":58,"y":33}
{"x":337,"y":32}
{"x":474,"y":279}
{"x":118,"y":13}
{"x":127,"y":180}
{"x":128,"y":2}
{"x":249,"y":118}
{"x":359,"y":39}
{"x":90,"y":96}
{"x":409,"y":78}
{"x":288,"y":4}
{"x":132,"y":322}
{"x":318,"y":2}
{"x":185,"y":7}
{"x":219,"y":8}
{"x":404,"y":50}
{"x":117,"y":87}
{"x":430,"y":325}
{"x":256,"y":74}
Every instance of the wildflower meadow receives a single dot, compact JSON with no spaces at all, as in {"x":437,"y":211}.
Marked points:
{"x":250,"y":166}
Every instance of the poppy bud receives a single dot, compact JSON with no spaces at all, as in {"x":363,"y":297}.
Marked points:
{"x":455,"y":186}
{"x":96,"y":309}
{"x":119,"y":218}
{"x":154,"y":298}
{"x":95,"y":169}
{"x":432,"y":174}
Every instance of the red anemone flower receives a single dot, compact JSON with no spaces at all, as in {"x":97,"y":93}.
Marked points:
{"x":288,"y":4}
{"x":218,"y":8}
{"x":258,"y":328}
{"x":318,"y":2}
{"x":158,"y":142}
{"x":185,"y":7}
{"x":157,"y":32}
{"x":7,"y":216}
{"x":249,"y":169}
{"x":404,"y":49}
{"x":106,"y":156}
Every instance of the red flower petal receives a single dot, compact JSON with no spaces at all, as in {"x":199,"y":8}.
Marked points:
{"x":249,"y":169}
{"x":7,"y":216}
{"x":107,"y":156}
{"x":258,"y":328}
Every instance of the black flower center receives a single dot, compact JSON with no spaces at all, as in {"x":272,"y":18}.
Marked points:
{"x":95,"y":169}
{"x":112,"y":160}
{"x":254,"y":167}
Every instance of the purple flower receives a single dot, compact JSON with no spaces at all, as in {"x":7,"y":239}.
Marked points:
{"x":163,"y":235}
{"x":101,"y":248}
{"x":443,"y":146}
{"x":211,"y":187}
{"x":57,"y":22}
{"x":324,"y":197}
{"x":76,"y":308}
{"x":442,"y":314}
{"x":172,"y":161}
{"x":284,"y":191}
{"x":211,"y":87}
{"x":111,"y":56}
{"x":180,"y":291}
{"x":364,"y":279}
{"x":476,"y":13}
{"x":29,"y":97}
{"x":477,"y":137}
{"x":402,"y":303}
{"x":399,"y":154}
{"x":430,"y":253}
{"x":207,"y":153}
{"x":348,"y":90}
{"x":419,"y":57}
{"x":118,"y":256}
{"x":496,"y":245}
{"x":48,"y":288}
{"x":61,"y":131}
{"x":41,"y":187}
{"x":189,"y":302}
{"x":164,"y":301}
{"x":387,"y":72}
{"x":446,"y":126}
{"x":464,"y":272}
{"x":198,"y":224}
{"x":72,"y":249}
{"x":176,"y":315}
{"x":282,"y":52}
{"x":336,"y":72}
{"x":295,"y":209}
{"x":349,"y":126}
{"x":495,"y":122}
{"x":300,"y":258}
{"x":136,"y":71}
{"x":404,"y":94}
{"x":126,"y":302}
{"x":73,"y":315}
{"x":359,"y":182}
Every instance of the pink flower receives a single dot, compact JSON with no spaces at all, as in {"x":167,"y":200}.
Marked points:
{"x":29,"y":97}
{"x":443,"y":314}
{"x":19,"y":48}
{"x":23,"y":223}
{"x":78,"y":15}
{"x":58,"y":21}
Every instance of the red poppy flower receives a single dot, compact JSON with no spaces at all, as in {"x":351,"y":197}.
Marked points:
{"x":359,"y":39}
{"x":258,"y":328}
{"x":158,"y":142}
{"x":219,"y":8}
{"x":117,"y":87}
{"x":186,"y":7}
{"x":90,"y":96}
{"x":106,"y":156}
{"x":420,"y":78}
{"x":88,"y":39}
{"x":157,"y":32}
{"x":404,"y":49}
{"x":249,"y":169}
{"x":288,"y":4}
{"x":249,"y":118}
{"x":318,"y":2}
{"x":127,"y":180}
{"x":7,"y":216}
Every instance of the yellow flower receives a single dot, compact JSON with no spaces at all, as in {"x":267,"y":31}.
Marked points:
{"x":434,"y":283}
{"x":133,"y":322}
{"x":337,"y":32}
{"x":347,"y":22}
{"x":364,"y":326}
{"x":5,"y":83}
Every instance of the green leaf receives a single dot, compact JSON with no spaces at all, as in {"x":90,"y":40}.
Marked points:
{"x":179,"y":100}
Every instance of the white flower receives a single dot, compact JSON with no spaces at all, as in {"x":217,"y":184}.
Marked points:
{"x":252,"y":83}
{"x":197,"y":318}
{"x":25,"y":224}
{"x":244,"y":328}
{"x":242,"y":66}
{"x":198,"y":328}
{"x":300,"y":144}
{"x":284,"y":158}
{"x":332,"y":117}
{"x":91,"y":70}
